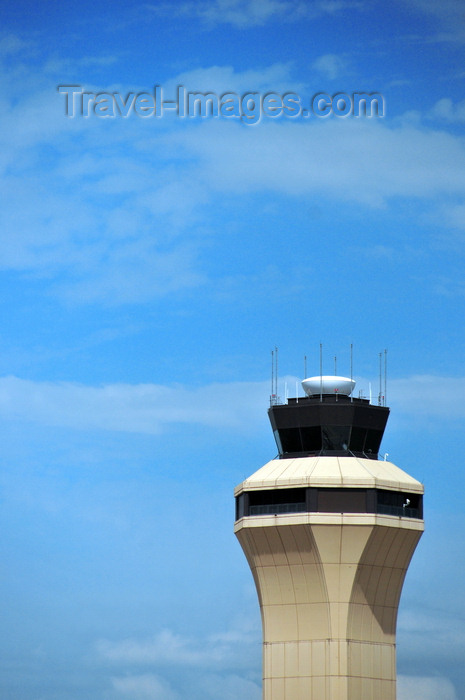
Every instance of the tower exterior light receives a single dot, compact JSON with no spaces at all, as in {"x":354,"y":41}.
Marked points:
{"x":329,"y":531}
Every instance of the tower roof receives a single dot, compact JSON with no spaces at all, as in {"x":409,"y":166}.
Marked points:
{"x":334,"y":471}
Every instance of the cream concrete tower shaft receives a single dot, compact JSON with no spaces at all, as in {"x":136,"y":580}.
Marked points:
{"x":328,"y":538}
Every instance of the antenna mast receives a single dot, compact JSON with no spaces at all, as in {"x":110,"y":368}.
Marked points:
{"x":276,"y":373}
{"x":321,"y":371}
{"x":385,"y":377}
{"x":272,"y":378}
{"x":380,"y":382}
{"x":351,"y":369}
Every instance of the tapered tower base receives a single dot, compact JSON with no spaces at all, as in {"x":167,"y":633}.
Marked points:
{"x":329,"y":540}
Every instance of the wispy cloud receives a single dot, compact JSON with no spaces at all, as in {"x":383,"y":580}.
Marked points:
{"x":428,"y":396}
{"x":425,"y":688}
{"x":392,"y":161}
{"x":278,"y":77}
{"x":331,"y":66}
{"x":125,"y":218}
{"x":448,"y":16}
{"x":11,"y":44}
{"x":143,"y":408}
{"x":243,"y":14}
{"x":229,"y":687}
{"x":208,"y":686}
{"x":152,"y":408}
{"x":144,"y":687}
{"x":448,"y":111}
{"x":164,"y":648}
{"x":446,"y":286}
{"x":167,"y":648}
{"x":455,"y":216}
{"x":133,"y":271}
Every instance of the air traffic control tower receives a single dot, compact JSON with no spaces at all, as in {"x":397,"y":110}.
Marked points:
{"x":329,"y":531}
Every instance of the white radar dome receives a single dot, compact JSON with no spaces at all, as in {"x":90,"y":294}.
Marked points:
{"x":328,"y":385}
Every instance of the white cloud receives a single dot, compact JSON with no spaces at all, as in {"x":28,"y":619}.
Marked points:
{"x":123,"y":217}
{"x":104,"y":216}
{"x":243,"y":13}
{"x":428,"y":395}
{"x":220,"y":79}
{"x":425,"y":688}
{"x":252,"y":13}
{"x":144,"y":687}
{"x":142,"y":408}
{"x":12,"y":44}
{"x":133,"y":271}
{"x":433,"y":631}
{"x":128,"y":254}
{"x":231,"y":687}
{"x":446,"y":286}
{"x":455,"y":216}
{"x":228,"y":650}
{"x":353,"y":159}
{"x":166,"y":648}
{"x":153,"y":408}
{"x":330,"y":65}
{"x":107,"y":60}
{"x":448,"y":111}
{"x":59,"y":66}
{"x":448,"y":15}
{"x":207,"y":686}
{"x":379,"y":252}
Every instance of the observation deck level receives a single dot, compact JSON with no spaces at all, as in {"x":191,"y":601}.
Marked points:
{"x":328,"y":421}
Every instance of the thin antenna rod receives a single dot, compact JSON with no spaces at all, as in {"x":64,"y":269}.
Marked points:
{"x":335,"y":366}
{"x":305,"y":366}
{"x":351,"y":368}
{"x":385,"y":377}
{"x":380,"y":381}
{"x":321,"y":371}
{"x":276,"y":373}
{"x":272,"y":377}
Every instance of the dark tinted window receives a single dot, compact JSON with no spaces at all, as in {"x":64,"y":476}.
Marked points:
{"x":329,"y":500}
{"x":311,"y":439}
{"x":342,"y":501}
{"x":373,"y":441}
{"x":258,"y":498}
{"x":357,"y":439}
{"x":290,"y":440}
{"x":335,"y":437}
{"x":277,"y":501}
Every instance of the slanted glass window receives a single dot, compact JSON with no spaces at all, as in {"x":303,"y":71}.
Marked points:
{"x":357,"y":439}
{"x":335,"y":437}
{"x":290,"y":440}
{"x":311,"y":439}
{"x":373,"y":441}
{"x":278,"y":441}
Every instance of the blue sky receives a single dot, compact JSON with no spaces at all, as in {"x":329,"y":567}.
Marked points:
{"x":148,"y":268}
